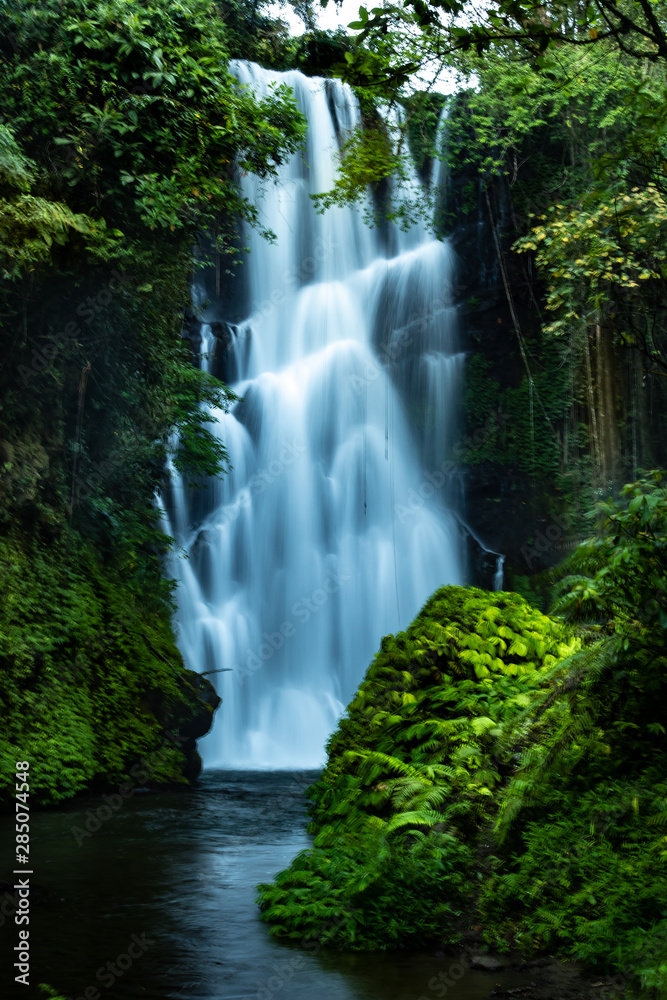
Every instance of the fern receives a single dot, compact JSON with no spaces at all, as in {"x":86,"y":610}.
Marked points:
{"x":506,"y":784}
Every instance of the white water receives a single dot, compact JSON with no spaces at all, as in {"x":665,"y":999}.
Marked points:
{"x":440,"y":171}
{"x":328,"y":533}
{"x":499,"y":575}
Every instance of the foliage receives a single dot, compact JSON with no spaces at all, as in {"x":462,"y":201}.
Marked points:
{"x":150,"y":121}
{"x":150,"y":127}
{"x":583,"y":815}
{"x":93,"y":684}
{"x":382,"y":157}
{"x":600,"y":251}
{"x":126,"y":140}
{"x":585,"y":99}
{"x":367,"y":159}
{"x":422,"y":111}
{"x":368,"y":895}
{"x":318,"y":52}
{"x":49,"y":992}
{"x":441,"y":28}
{"x":525,"y":439}
{"x":522,"y":765}
{"x":575,"y":153}
{"x":252,"y":33}
{"x":629,"y":559}
{"x":411,"y":775}
{"x":570,"y":161}
{"x":596,"y":251}
{"x":29,"y":225}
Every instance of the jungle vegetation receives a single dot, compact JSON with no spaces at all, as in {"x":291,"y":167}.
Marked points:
{"x":505,"y":770}
{"x":498,"y":765}
{"x":120,"y":136}
{"x":555,"y":142}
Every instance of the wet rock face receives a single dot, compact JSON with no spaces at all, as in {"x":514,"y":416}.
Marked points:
{"x":491,"y":963}
{"x":499,"y":508}
{"x":481,"y":563}
{"x":200,"y":718}
{"x":502,"y":507}
{"x":199,"y":722}
{"x":222,"y":354}
{"x":190,"y":718}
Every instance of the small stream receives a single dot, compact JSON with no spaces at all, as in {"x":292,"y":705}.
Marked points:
{"x":170,"y":877}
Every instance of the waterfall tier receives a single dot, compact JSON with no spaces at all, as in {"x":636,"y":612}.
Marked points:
{"x":331,"y":530}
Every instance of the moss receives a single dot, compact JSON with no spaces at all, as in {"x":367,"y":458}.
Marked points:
{"x":496,"y":771}
{"x":412,"y":776}
{"x":92,"y":682}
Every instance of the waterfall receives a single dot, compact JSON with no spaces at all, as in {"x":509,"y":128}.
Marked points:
{"x":332,"y":528}
{"x":499,"y":575}
{"x":440,"y":171}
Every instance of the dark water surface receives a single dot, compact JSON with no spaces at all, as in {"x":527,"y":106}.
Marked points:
{"x":164,"y":891}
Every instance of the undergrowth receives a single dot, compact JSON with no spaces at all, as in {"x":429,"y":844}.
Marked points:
{"x":412,"y":775}
{"x":504,"y":770}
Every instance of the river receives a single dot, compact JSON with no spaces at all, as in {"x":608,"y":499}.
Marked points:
{"x":170,"y":879}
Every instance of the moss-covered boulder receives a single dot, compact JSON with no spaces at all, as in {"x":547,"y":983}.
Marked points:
{"x":412,"y":777}
{"x":93,"y":690}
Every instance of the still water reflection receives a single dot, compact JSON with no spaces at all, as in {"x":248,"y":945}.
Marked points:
{"x":159,"y":903}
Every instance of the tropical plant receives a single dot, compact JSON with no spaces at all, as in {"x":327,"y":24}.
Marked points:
{"x":121,"y":145}
{"x":412,"y":773}
{"x":582,"y":818}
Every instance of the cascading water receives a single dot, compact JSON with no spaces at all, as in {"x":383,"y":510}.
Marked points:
{"x":331,"y":529}
{"x":440,"y":168}
{"x":499,"y":575}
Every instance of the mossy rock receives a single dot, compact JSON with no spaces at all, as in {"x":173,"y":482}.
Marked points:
{"x":93,"y":685}
{"x":413,"y":776}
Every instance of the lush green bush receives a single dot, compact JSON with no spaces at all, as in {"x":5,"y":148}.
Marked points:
{"x":133,"y":108}
{"x":582,"y":850}
{"x":510,"y":769}
{"x":93,"y":684}
{"x":412,"y":775}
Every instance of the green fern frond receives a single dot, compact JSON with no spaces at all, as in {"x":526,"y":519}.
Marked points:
{"x":426,"y":817}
